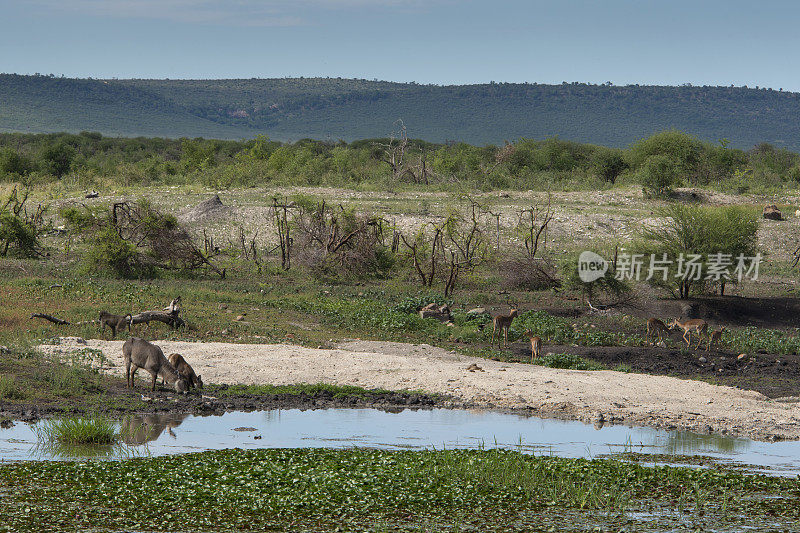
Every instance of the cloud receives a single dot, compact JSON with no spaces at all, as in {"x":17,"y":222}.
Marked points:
{"x":223,"y":12}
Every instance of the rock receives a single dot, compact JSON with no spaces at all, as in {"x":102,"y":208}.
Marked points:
{"x":473,"y":367}
{"x":440,"y":313}
{"x":771,"y":212}
{"x":476,"y":311}
{"x":239,"y":318}
{"x":702,"y":360}
{"x":742,"y":356}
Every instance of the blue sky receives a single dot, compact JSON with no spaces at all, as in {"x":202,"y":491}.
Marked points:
{"x":435,"y":41}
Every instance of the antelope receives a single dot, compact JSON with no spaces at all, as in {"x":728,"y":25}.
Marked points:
{"x":536,"y":344}
{"x":697,"y":324}
{"x":656,"y":327}
{"x":502,"y":323}
{"x":185,"y":370}
{"x":114,"y":322}
{"x":139,"y":353}
{"x":715,"y":337}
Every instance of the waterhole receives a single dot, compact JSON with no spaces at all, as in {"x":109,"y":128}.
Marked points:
{"x":162,"y":434}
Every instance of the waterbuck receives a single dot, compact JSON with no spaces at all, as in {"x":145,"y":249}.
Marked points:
{"x":139,"y":353}
{"x":185,"y":370}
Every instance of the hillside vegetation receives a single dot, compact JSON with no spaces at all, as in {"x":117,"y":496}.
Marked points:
{"x":349,"y":109}
{"x":659,"y":163}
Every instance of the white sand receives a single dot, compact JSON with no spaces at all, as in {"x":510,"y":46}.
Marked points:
{"x":617,"y":397}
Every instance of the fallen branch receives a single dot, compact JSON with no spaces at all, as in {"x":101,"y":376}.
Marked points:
{"x":51,"y":318}
{"x":172,"y":320}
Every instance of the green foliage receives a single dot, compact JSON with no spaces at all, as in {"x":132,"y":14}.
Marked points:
{"x":321,"y":490}
{"x":609,"y":164}
{"x":110,"y":253}
{"x":682,"y":148}
{"x":57,"y":159}
{"x":18,"y":235}
{"x":701,"y":230}
{"x":14,"y":165}
{"x":659,"y":174}
{"x":315,"y":107}
{"x":10,"y":389}
{"x":93,"y":430}
{"x":412,"y":304}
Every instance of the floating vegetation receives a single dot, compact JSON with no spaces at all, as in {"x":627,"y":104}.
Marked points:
{"x":319,"y":489}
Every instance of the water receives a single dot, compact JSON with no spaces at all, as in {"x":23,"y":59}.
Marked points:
{"x":407,"y":430}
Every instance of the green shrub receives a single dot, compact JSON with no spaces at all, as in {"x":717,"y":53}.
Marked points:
{"x":659,"y":174}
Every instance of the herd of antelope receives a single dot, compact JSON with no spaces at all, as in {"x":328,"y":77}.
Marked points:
{"x":655,"y":328}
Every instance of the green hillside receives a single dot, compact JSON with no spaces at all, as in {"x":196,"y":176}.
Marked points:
{"x":348,"y":109}
{"x":40,"y":104}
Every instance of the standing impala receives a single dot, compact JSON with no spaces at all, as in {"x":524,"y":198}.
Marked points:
{"x":500,"y":324}
{"x":695,"y":324}
{"x":656,"y":327}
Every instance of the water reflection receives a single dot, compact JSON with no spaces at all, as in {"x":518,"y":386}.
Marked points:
{"x":140,"y":429}
{"x":164,"y":434}
{"x":683,"y":442}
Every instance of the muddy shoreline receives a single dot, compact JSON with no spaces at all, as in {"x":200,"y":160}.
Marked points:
{"x":598,"y":397}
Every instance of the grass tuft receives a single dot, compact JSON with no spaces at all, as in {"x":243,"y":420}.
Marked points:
{"x":76,"y":431}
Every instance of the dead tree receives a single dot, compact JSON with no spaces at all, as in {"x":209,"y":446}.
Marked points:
{"x":170,"y":315}
{"x":280,"y":212}
{"x":393,"y":152}
{"x":424,"y":250}
{"x":532,"y":226}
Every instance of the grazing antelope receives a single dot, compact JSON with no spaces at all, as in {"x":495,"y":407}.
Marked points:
{"x":715,"y":337}
{"x":536,"y":344}
{"x":502,"y":323}
{"x":139,"y":353}
{"x":186,"y":370}
{"x":656,"y":327}
{"x":695,"y":324}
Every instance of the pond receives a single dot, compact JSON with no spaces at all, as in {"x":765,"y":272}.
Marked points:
{"x":160,"y":434}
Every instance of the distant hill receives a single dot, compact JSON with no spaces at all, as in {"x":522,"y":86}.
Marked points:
{"x":349,"y":109}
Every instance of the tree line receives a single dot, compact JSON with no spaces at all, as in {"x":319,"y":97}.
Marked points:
{"x":659,"y":163}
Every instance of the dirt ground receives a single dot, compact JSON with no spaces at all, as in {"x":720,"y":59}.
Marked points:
{"x":598,"y":396}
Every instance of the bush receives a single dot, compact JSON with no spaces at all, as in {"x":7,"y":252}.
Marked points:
{"x":528,"y":273}
{"x":659,"y":174}
{"x":701,"y":230}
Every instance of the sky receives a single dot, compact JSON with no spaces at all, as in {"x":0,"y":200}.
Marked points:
{"x":653,"y":42}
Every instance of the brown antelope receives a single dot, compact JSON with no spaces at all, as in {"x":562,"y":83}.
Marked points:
{"x":536,"y":344}
{"x":694,"y":324}
{"x":502,"y":323}
{"x":656,"y":327}
{"x":139,"y":353}
{"x":715,"y":337}
{"x":185,"y":370}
